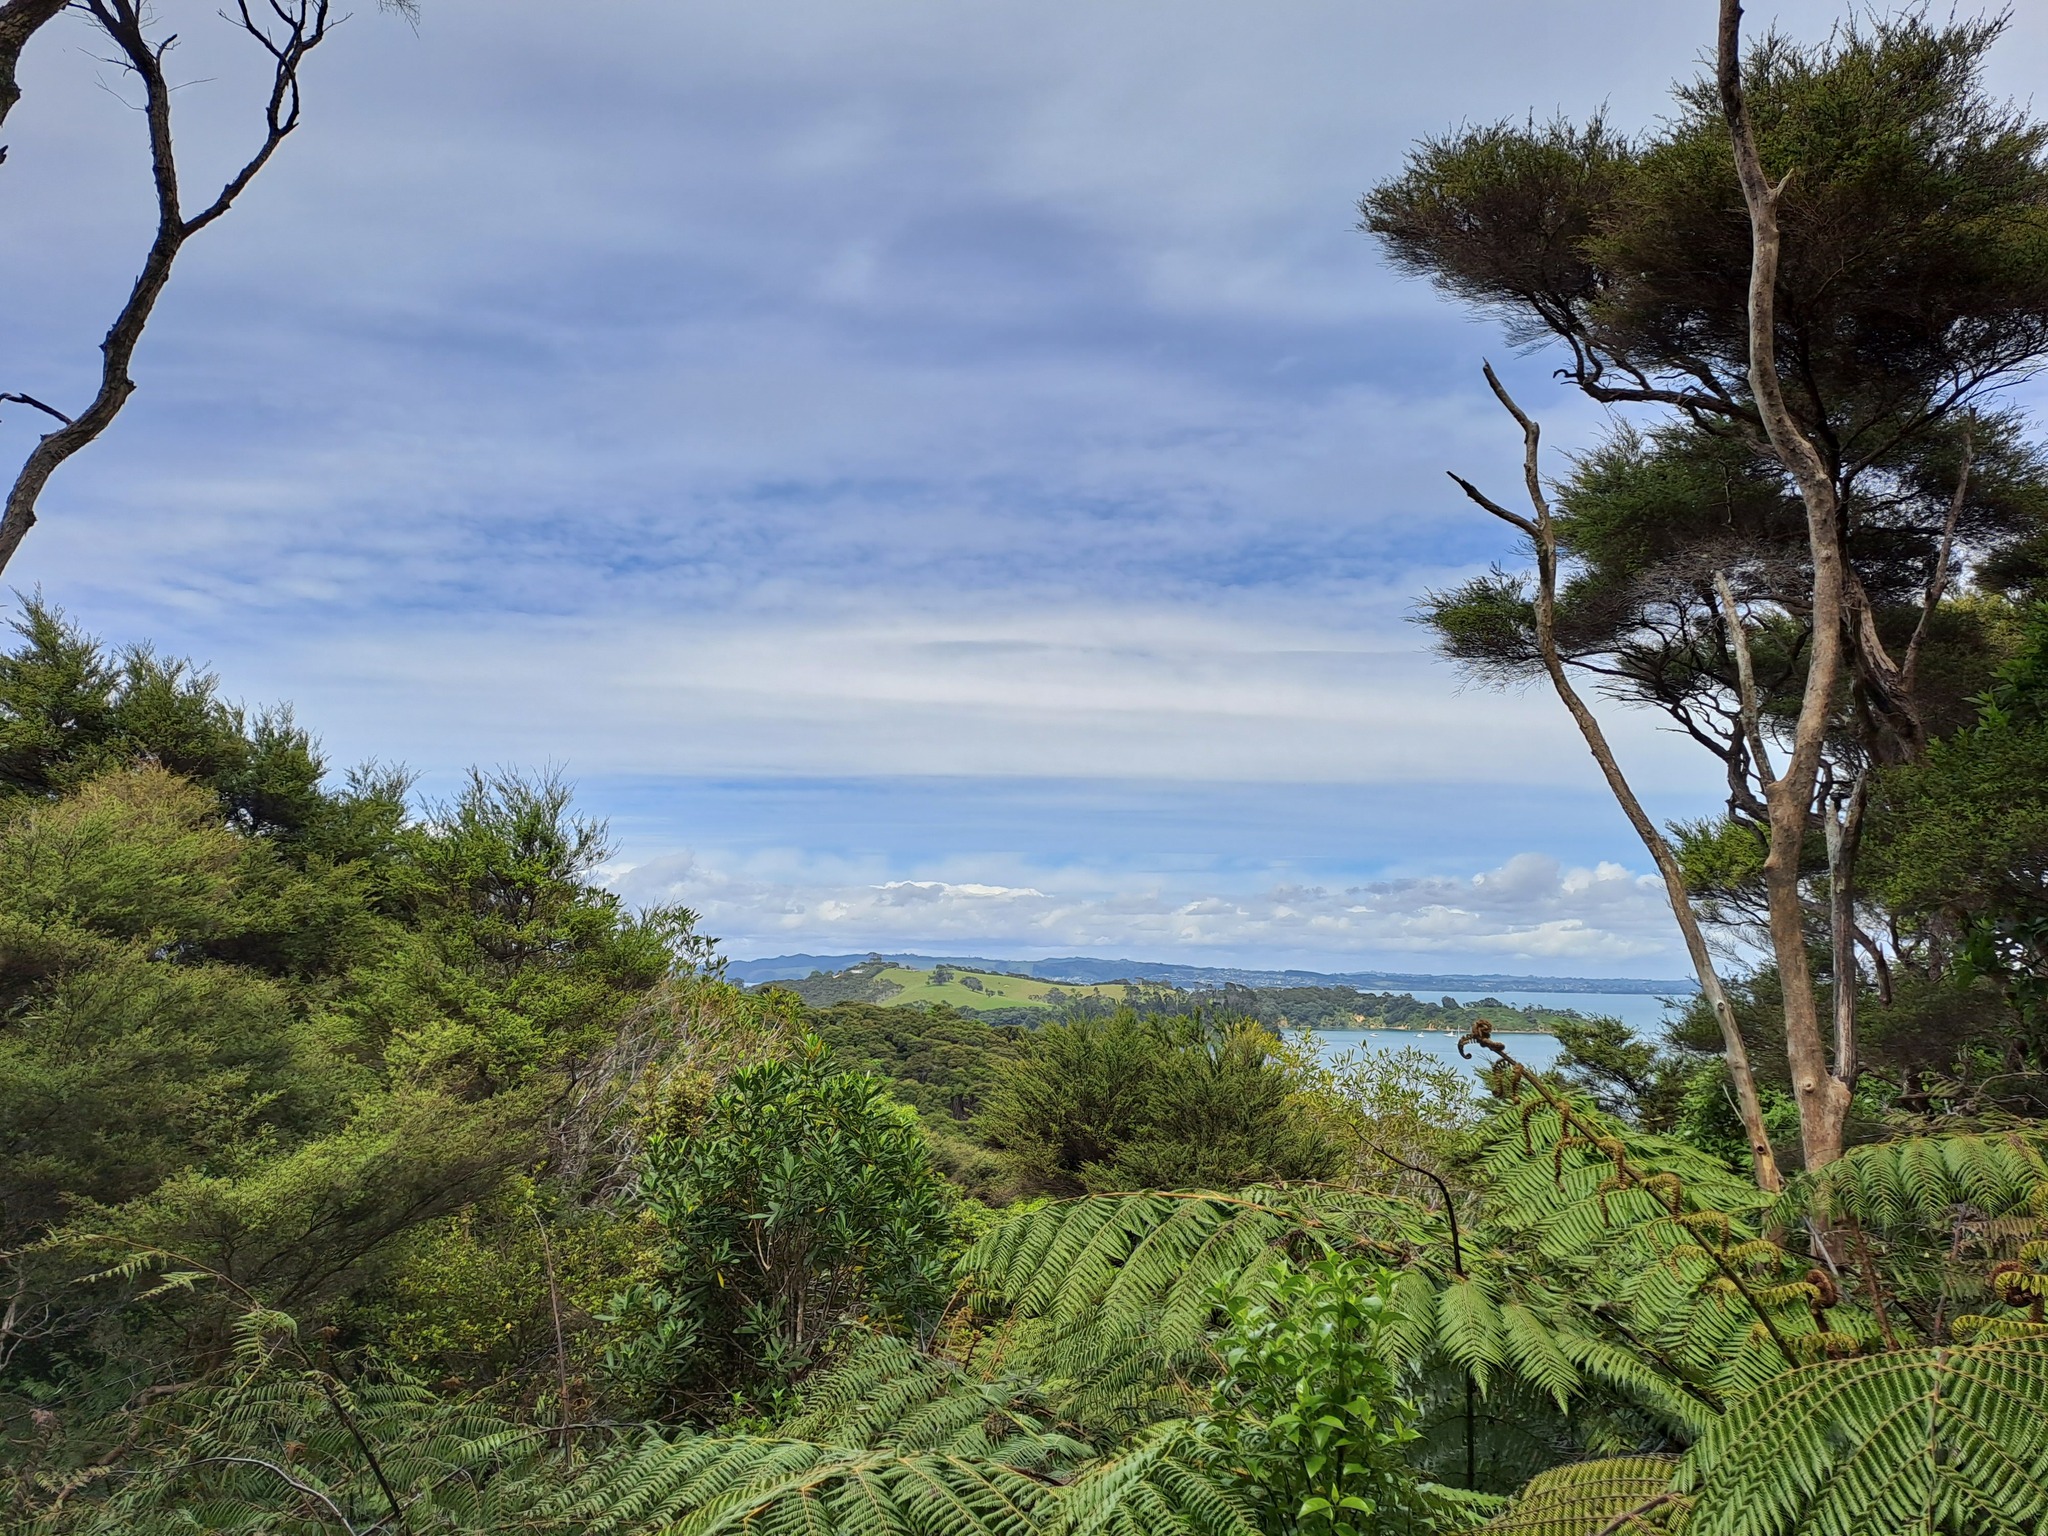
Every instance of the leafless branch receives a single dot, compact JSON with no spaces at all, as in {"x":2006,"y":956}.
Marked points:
{"x":1843,"y":825}
{"x":1543,"y":534}
{"x":1491,"y":505}
{"x":19,"y":21}
{"x":1745,"y":681}
{"x":291,"y":31}
{"x":47,"y":410}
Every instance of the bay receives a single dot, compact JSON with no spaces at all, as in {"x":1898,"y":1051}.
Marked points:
{"x":1536,"y":1052}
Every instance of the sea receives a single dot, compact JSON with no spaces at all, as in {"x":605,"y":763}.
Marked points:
{"x":1640,"y":1011}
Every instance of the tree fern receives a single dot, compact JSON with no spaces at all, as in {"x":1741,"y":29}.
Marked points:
{"x":1917,"y":1442}
{"x":1166,"y":1256}
{"x":1620,"y":1496}
{"x":1923,"y":1182}
{"x":887,"y":1395}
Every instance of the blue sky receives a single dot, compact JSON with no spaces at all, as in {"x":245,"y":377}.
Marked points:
{"x":933,"y":473}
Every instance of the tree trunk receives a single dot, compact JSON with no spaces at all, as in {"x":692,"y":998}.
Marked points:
{"x":1821,"y":1094}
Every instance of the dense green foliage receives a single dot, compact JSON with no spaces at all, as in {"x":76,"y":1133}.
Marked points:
{"x":939,"y":1061}
{"x":1307,"y":1410}
{"x":1961,"y":848}
{"x":1130,"y":1102}
{"x":398,"y":1177}
{"x":798,"y":1196}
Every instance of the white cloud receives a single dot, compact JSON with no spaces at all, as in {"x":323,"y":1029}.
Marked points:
{"x":1531,"y":910}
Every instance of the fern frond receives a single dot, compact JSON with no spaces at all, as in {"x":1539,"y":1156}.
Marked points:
{"x":1158,"y":1484}
{"x":1916,"y":1442}
{"x":1533,"y":1349}
{"x":1625,"y":1494}
{"x":1924,"y":1181}
{"x":1164,"y":1255}
{"x":1469,"y":1328}
{"x":885,"y":1395}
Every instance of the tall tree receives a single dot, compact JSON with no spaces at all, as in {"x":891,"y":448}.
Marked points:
{"x":1822,"y":266}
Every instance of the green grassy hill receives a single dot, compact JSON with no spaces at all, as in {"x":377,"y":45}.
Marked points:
{"x":1001,"y":997}
{"x":876,"y":981}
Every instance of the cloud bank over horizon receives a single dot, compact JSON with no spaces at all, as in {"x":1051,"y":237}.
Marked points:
{"x":1531,"y":912}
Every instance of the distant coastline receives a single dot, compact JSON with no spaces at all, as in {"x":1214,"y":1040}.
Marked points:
{"x":1085,"y":969}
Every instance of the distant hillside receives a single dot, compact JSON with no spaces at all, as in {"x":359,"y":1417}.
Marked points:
{"x":1088,"y":970}
{"x":981,"y":991}
{"x":999,"y":997}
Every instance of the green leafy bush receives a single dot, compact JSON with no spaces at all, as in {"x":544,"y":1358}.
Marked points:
{"x":802,"y":1200}
{"x":1131,"y":1102}
{"x":1307,"y":1413}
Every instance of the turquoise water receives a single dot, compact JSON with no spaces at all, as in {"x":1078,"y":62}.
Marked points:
{"x":1534,"y":1051}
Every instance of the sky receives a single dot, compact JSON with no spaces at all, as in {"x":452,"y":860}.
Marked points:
{"x":938,"y":474}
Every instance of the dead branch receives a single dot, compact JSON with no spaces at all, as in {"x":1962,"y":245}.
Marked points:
{"x":291,"y":31}
{"x":1543,"y":534}
{"x":1937,"y":582}
{"x":1745,"y":677}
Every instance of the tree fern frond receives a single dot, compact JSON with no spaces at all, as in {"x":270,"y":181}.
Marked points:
{"x":1531,"y":1347}
{"x":883,"y":1394}
{"x":1662,"y":1393}
{"x":1158,"y":1484}
{"x":1468,"y":1328}
{"x":1911,"y":1442}
{"x":1167,"y":1255}
{"x":1625,"y":1494}
{"x":1128,"y":1254}
{"x":791,"y":1490}
{"x":1922,"y":1181}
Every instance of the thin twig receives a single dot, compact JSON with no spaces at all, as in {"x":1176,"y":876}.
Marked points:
{"x":547,"y":1253}
{"x":1542,"y":533}
{"x":47,"y":410}
{"x":126,"y":22}
{"x":273,"y":1468}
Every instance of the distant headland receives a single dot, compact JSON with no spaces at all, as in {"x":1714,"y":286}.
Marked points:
{"x":1086,"y":969}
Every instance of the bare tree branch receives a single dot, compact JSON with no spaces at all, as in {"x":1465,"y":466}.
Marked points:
{"x":1543,"y":534}
{"x":1844,"y":828}
{"x":300,"y":27}
{"x":47,"y":410}
{"x":1937,"y":583}
{"x":1745,"y":682}
{"x":19,"y":21}
{"x":1491,"y":505}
